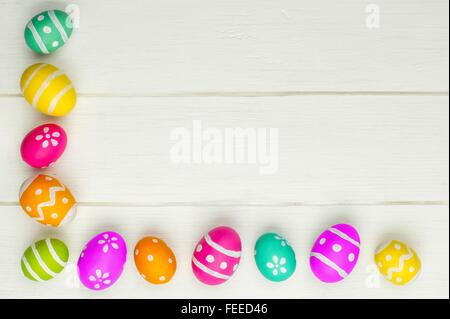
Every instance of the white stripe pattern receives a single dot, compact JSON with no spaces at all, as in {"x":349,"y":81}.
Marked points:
{"x":30,"y":271}
{"x":58,"y":25}
{"x":54,"y":254}
{"x":227,"y":252}
{"x":209,"y":271}
{"x":37,"y":37}
{"x":31,"y":77}
{"x":50,"y":203}
{"x":41,"y":262}
{"x":58,"y":97}
{"x":344,"y":236}
{"x":330,"y":264}
{"x":401,"y":264}
{"x":44,"y":85}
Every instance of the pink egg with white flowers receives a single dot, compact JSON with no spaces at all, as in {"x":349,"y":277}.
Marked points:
{"x":44,"y":145}
{"x":217,"y":255}
{"x":335,"y":253}
{"x":102,"y":261}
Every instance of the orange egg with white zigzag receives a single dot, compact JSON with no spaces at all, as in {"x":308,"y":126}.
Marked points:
{"x":46,"y":200}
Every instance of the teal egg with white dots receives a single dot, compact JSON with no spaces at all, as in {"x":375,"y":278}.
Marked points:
{"x":48,"y":31}
{"x":275,"y":257}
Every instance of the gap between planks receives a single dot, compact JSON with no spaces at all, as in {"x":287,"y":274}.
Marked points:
{"x":249,"y":94}
{"x":245,"y":204}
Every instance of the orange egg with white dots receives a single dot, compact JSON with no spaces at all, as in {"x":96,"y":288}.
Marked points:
{"x":155,"y":261}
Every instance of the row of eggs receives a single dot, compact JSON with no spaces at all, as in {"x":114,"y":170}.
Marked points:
{"x":215,"y":259}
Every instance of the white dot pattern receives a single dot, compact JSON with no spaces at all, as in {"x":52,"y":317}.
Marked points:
{"x":337,"y":248}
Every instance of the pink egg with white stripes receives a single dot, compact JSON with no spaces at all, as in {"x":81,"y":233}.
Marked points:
{"x":335,"y":253}
{"x":102,"y":260}
{"x":217,"y":256}
{"x":43,"y":145}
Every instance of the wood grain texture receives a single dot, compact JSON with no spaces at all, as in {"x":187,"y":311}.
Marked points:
{"x":173,"y":46}
{"x":181,"y":228}
{"x":363,"y":124}
{"x":331,"y":149}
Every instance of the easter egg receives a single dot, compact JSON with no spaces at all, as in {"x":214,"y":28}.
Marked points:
{"x":397,"y":262}
{"x":47,"y":200}
{"x":48,"y":89}
{"x":44,"y":259}
{"x":48,"y":31}
{"x":275,"y":257}
{"x":217,"y":256}
{"x":44,"y":145}
{"x":154,"y":260}
{"x":102,"y":260}
{"x":335,"y":253}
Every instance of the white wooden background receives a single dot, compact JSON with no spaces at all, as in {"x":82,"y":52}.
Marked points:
{"x":362,"y":115}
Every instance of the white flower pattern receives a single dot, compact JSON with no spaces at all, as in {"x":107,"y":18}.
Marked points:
{"x":277,"y":265}
{"x":106,"y":242}
{"x":100,"y":279}
{"x":48,"y":138}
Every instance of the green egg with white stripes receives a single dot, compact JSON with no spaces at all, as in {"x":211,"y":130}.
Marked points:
{"x":48,"y":31}
{"x":44,"y":259}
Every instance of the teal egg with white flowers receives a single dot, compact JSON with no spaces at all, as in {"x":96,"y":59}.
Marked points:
{"x":48,"y":31}
{"x":275,"y":257}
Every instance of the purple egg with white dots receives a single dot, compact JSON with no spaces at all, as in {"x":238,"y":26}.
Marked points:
{"x":335,"y":253}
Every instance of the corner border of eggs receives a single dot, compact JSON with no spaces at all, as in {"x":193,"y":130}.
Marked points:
{"x":216,"y":256}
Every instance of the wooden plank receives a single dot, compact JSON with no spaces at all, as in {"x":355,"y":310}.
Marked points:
{"x":424,"y":228}
{"x":331,"y":149}
{"x":175,"y":46}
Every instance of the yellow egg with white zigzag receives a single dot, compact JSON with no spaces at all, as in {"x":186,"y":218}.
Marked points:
{"x":48,"y":89}
{"x":397,"y":262}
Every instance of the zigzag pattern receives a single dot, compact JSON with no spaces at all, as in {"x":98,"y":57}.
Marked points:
{"x":403,"y":258}
{"x":50,"y":203}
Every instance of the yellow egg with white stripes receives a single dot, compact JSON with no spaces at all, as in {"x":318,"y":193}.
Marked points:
{"x":48,"y":89}
{"x":397,"y":262}
{"x":44,"y":259}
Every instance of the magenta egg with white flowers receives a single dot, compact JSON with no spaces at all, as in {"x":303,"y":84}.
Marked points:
{"x":43,"y":145}
{"x":102,"y":261}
